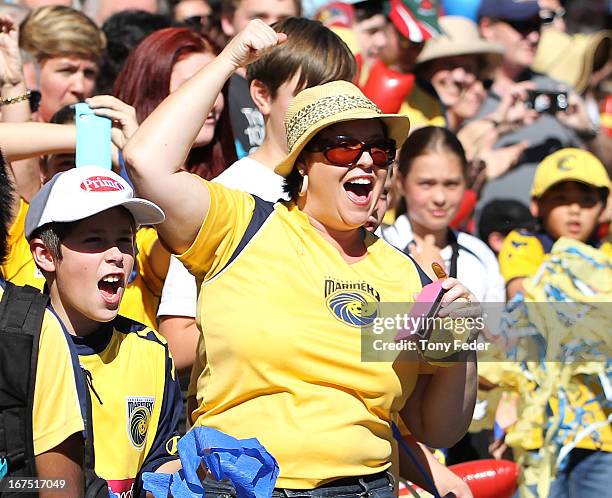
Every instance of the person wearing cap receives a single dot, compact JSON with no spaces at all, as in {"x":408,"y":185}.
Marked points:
{"x":564,"y":440}
{"x":568,"y":195}
{"x":515,"y":24}
{"x":81,"y":228}
{"x":412,"y":23}
{"x":500,"y":217}
{"x":282,"y":285}
{"x":57,"y":420}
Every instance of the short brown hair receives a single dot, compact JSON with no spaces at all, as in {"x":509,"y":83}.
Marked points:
{"x":59,"y":31}
{"x":312,"y":50}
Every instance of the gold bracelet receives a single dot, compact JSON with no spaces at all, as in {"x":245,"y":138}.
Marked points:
{"x":14,"y":100}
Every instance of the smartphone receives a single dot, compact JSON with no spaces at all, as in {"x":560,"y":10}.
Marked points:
{"x":426,"y":306}
{"x":546,"y":101}
{"x":93,"y":138}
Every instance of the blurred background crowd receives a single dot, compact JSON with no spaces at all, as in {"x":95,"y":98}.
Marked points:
{"x":504,"y":97}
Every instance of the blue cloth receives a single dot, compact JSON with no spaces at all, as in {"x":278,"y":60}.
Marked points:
{"x":3,"y":468}
{"x":509,"y":10}
{"x":245,"y":463}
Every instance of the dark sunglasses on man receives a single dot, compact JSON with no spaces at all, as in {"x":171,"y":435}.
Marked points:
{"x":346,"y":151}
{"x":197,"y":22}
{"x":527,"y":26}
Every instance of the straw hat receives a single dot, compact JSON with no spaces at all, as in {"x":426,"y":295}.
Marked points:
{"x":321,"y":106}
{"x":459,"y":37}
{"x":572,"y":59}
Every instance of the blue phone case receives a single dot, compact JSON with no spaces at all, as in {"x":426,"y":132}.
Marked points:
{"x":93,"y":139}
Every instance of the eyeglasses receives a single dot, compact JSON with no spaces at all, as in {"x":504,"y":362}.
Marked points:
{"x":548,"y":16}
{"x":346,"y":151}
{"x":197,"y":22}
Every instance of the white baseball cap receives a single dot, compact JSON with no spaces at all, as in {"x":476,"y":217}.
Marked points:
{"x":83,"y":192}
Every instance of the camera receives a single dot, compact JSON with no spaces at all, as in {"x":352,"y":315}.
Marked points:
{"x":546,"y":101}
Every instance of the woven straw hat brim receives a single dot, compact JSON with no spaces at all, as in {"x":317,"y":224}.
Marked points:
{"x":397,"y":125}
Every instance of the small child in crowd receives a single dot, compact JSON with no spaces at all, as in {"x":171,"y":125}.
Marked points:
{"x":568,"y":197}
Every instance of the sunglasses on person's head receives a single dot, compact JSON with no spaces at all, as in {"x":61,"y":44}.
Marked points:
{"x":346,"y":151}
{"x":548,"y":16}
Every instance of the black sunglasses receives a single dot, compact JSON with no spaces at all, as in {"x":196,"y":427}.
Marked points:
{"x":526,"y":27}
{"x":346,"y":151}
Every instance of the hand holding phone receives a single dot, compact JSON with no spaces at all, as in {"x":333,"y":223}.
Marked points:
{"x":93,"y":139}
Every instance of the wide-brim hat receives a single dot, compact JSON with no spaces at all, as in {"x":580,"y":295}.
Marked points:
{"x":460,"y":36}
{"x":572,"y":58}
{"x":324,"y":105}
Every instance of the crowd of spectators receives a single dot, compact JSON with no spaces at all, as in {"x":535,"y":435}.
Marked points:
{"x":504,"y":173}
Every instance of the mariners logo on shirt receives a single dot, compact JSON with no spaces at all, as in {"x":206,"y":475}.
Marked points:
{"x":353,"y":303}
{"x":139,"y":409}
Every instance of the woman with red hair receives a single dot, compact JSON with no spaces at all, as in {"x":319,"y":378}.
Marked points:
{"x":156,"y":68}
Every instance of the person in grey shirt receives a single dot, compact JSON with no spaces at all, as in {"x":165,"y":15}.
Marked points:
{"x":516,"y":26}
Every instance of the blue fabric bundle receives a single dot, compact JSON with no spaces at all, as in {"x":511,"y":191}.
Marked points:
{"x":245,"y":463}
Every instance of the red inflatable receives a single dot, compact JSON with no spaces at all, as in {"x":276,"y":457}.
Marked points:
{"x":466,"y":208}
{"x":486,"y":478}
{"x":387,"y":88}
{"x":489,"y":478}
{"x":606,"y":115}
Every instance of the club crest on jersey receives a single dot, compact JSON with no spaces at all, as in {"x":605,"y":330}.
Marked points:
{"x":139,"y":410}
{"x":353,"y":303}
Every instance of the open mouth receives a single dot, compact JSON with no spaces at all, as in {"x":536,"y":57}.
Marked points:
{"x":110,"y":288}
{"x":359,"y":190}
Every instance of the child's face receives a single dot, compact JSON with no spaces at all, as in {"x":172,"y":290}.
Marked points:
{"x":433,"y":190}
{"x":97,"y":259}
{"x":570,"y":209}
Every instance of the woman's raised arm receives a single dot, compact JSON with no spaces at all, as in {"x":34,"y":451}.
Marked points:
{"x":157,"y":151}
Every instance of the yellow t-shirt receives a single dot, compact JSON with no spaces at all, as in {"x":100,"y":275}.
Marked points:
{"x":523,"y":253}
{"x":283,"y":359}
{"x":135,"y":401}
{"x":19,"y":267}
{"x":56,"y":411}
{"x":141,"y":298}
{"x":423,"y":109}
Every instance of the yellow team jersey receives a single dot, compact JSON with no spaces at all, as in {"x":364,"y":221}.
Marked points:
{"x":423,"y":109}
{"x":283,"y":353}
{"x":141,"y":297}
{"x":523,"y":252}
{"x":19,"y":267}
{"x":521,"y":256}
{"x":136,"y":401}
{"x":56,"y":412}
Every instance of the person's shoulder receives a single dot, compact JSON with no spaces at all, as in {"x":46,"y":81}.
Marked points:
{"x":546,"y":83}
{"x":523,"y":240}
{"x":138,"y":331}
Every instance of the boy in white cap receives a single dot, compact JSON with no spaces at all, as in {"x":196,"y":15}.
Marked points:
{"x":81,"y":227}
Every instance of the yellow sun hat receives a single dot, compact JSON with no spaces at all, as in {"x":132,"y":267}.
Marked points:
{"x":320,"y":106}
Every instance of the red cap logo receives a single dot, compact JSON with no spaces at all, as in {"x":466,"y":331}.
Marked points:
{"x":101,"y":184}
